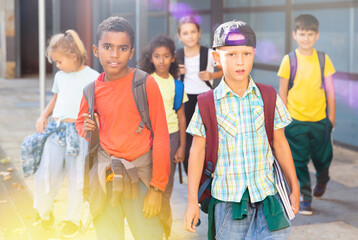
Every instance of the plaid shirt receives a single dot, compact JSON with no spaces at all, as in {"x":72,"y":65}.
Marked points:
{"x":244,"y":155}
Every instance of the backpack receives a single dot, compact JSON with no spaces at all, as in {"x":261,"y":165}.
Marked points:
{"x":179,"y":94}
{"x":293,"y":66}
{"x":208,"y":114}
{"x":204,"y":51}
{"x":140,"y":99}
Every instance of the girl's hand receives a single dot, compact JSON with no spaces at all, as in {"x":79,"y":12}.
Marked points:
{"x":179,"y":155}
{"x":205,"y":75}
{"x":182,"y":69}
{"x":41,"y":124}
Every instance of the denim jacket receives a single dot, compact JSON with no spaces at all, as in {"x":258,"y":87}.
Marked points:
{"x":63,"y":134}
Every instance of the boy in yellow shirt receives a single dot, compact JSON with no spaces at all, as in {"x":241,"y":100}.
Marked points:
{"x":310,"y":101}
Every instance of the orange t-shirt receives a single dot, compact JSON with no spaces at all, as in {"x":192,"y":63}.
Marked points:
{"x":119,"y":120}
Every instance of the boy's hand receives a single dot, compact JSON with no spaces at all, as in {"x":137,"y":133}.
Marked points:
{"x":205,"y":75}
{"x":179,"y":155}
{"x":88,"y":124}
{"x":41,"y":124}
{"x":152,"y":203}
{"x":295,"y":202}
{"x":332,"y":120}
{"x":182,"y":69}
{"x":191,"y":217}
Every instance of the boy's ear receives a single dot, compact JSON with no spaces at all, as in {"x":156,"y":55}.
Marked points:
{"x":216,"y":57}
{"x":317,"y":36}
{"x":294,"y":35}
{"x":95,"y":50}
{"x":131,"y":53}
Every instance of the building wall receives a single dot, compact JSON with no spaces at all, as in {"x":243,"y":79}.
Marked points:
{"x":7,"y":39}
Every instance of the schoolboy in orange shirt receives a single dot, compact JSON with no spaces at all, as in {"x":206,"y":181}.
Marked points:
{"x":118,"y":119}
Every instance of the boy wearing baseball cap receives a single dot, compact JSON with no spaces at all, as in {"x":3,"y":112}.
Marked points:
{"x":245,"y":203}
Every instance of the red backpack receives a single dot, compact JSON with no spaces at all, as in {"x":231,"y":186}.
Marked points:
{"x":208,"y":115}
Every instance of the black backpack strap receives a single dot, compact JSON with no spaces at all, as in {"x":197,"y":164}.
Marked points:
{"x":269,"y":97}
{"x":93,"y":142}
{"x":204,"y":52}
{"x":93,"y":136}
{"x":181,"y":59}
{"x":207,"y":111}
{"x":293,"y":68}
{"x":140,"y":98}
{"x":322,"y":62}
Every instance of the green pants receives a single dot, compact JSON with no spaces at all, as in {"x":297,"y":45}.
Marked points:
{"x":309,"y":140}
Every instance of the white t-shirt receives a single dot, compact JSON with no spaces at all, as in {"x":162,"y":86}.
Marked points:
{"x":192,"y":83}
{"x":69,"y":89}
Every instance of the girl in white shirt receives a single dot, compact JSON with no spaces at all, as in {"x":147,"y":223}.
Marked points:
{"x":197,"y":78}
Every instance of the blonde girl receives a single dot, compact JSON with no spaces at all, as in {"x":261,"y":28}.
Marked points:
{"x":56,"y":146}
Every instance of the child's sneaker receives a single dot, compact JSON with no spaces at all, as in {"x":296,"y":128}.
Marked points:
{"x":319,"y":190}
{"x":69,"y":229}
{"x":305,"y":208}
{"x":46,"y":224}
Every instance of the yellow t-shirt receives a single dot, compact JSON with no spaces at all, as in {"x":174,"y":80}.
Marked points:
{"x":306,"y":100}
{"x":167,"y":89}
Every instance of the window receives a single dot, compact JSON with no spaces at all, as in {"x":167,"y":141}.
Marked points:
{"x":334,"y":35}
{"x":156,"y":25}
{"x":252,"y":3}
{"x":270,"y":34}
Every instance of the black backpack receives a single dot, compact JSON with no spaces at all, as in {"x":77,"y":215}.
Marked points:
{"x":203,"y":61}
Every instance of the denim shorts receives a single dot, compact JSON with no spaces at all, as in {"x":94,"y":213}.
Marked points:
{"x":254,"y":226}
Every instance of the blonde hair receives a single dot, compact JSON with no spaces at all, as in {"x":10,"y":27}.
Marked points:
{"x":67,"y":43}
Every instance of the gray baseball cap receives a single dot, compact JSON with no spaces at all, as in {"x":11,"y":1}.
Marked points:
{"x":234,"y":33}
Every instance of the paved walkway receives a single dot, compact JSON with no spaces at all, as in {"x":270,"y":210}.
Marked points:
{"x":335,"y":215}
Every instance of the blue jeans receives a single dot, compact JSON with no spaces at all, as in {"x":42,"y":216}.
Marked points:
{"x":109,"y":224}
{"x":254,"y":226}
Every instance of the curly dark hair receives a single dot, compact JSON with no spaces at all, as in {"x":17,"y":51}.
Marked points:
{"x":115,"y":24}
{"x":158,"y":41}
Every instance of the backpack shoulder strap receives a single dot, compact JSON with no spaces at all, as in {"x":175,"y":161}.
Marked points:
{"x":181,"y":59}
{"x":178,"y":94}
{"x":140,"y":98}
{"x":89,"y":94}
{"x":269,"y":96}
{"x":322,"y":62}
{"x":293,"y":68}
{"x":204,"y":52}
{"x":207,"y":111}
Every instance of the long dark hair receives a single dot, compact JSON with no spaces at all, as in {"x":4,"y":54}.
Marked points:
{"x":158,"y":41}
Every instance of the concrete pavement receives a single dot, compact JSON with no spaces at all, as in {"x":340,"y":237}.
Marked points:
{"x":335,"y":215}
